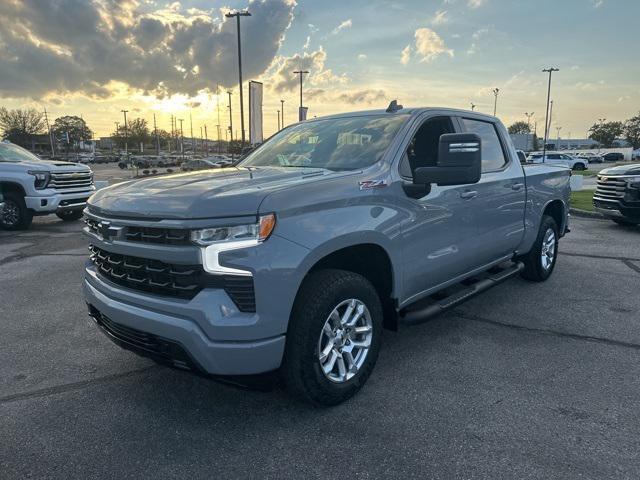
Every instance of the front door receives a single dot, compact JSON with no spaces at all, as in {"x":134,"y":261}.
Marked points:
{"x":438,"y":229}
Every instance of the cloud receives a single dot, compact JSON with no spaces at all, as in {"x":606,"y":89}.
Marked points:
{"x":477,"y":35}
{"x":405,"y":56}
{"x":597,"y":3}
{"x":429,"y":45}
{"x":475,"y":3}
{"x":75,"y":46}
{"x":440,"y":18}
{"x":590,"y":86}
{"x":366,"y":96}
{"x":346,"y":24}
{"x":280,"y":77}
{"x":362,"y":56}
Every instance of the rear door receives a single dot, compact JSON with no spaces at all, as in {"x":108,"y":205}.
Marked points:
{"x":501,"y":193}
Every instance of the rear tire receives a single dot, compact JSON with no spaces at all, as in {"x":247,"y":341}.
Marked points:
{"x":331,"y":350}
{"x":541,"y":259}
{"x":69,"y":215}
{"x":580,"y":167}
{"x":16,"y":215}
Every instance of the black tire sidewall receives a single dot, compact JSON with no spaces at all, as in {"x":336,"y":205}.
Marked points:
{"x":24,"y":215}
{"x":547,"y":222}
{"x":308,"y":319}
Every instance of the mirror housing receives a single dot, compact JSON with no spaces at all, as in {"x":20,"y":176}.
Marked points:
{"x":459,"y":161}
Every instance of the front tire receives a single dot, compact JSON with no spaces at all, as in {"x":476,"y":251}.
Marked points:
{"x":580,"y":167}
{"x":541,"y":260}
{"x":333,"y":338}
{"x":16,"y":215}
{"x":69,"y":215}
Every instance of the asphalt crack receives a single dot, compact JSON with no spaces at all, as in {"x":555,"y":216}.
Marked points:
{"x":548,"y":331}
{"x":70,"y":387}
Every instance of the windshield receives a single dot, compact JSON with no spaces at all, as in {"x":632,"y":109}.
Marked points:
{"x":13,"y":153}
{"x":348,"y":143}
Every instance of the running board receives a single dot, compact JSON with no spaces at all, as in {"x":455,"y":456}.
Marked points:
{"x":412,"y":317}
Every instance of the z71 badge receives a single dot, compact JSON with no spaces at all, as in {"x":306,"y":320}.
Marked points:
{"x":369,"y":184}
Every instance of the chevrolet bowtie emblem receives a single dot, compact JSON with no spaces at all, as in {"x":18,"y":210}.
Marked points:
{"x":107,"y":232}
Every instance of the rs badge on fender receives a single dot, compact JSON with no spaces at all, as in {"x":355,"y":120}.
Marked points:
{"x":369,"y":184}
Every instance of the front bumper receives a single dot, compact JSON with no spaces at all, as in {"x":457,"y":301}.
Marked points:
{"x":617,"y":209}
{"x":51,"y":201}
{"x":187,"y":324}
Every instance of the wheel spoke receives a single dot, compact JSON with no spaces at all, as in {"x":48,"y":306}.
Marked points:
{"x":342,"y":368}
{"x":362,"y":344}
{"x":348,"y":312}
{"x":362,"y":330}
{"x":325,"y":353}
{"x":356,"y":316}
{"x":351,"y":364}
{"x":328,"y":367}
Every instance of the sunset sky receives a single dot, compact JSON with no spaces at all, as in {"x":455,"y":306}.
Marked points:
{"x":76,"y":57}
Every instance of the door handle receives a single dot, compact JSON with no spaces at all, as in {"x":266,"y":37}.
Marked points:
{"x":467,"y":194}
{"x":517,"y":186}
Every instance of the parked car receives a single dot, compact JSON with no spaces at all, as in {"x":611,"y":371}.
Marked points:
{"x":613,"y":157}
{"x":32,"y":186}
{"x":331,"y":230}
{"x":521,"y":156}
{"x":618,"y":194}
{"x":201,"y":164}
{"x":563,"y":159}
{"x":591,"y":157}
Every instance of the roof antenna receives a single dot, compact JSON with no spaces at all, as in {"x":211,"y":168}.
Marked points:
{"x":393,"y":107}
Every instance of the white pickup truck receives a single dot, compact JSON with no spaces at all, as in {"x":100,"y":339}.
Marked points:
{"x":32,"y":186}
{"x":554,"y":158}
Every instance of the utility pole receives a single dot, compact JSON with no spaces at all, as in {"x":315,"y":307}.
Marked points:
{"x":155,"y":129}
{"x":546,"y":118}
{"x":495,"y":91}
{"x":206,"y":138}
{"x":181,"y":138}
{"x":201,"y":145}
{"x":237,"y":14}
{"x":193,"y":148}
{"x":550,"y":119}
{"x":278,"y":120}
{"x":218,"y":108}
{"x":126,"y":137}
{"x":473,"y":106}
{"x":46,"y":119}
{"x":301,"y":73}
{"x":282,"y":113}
{"x":230,"y":118}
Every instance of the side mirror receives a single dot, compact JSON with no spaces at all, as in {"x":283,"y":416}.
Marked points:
{"x":459,"y":161}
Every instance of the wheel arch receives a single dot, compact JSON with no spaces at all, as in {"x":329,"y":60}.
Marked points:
{"x":6,"y":187}
{"x":557,"y":210}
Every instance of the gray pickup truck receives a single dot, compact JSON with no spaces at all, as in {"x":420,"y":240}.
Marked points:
{"x":330,"y":231}
{"x":32,"y":186}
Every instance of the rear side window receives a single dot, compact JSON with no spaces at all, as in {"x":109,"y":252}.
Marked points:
{"x":492,"y":154}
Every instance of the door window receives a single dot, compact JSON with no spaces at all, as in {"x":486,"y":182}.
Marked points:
{"x":423,"y":148}
{"x":493,"y":157}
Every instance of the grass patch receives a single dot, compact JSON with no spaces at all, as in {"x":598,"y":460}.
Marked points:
{"x":585,"y":173}
{"x":582,"y":199}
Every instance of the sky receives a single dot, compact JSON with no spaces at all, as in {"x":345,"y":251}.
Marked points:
{"x":95,"y":58}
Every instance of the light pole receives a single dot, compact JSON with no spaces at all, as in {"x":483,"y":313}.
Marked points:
{"x":193,"y":148}
{"x":230,"y":117}
{"x":117,"y":133}
{"x":495,"y":91}
{"x":473,"y":106}
{"x":278,"y":120}
{"x":529,"y":115}
{"x":126,"y":138}
{"x":558,"y":138}
{"x":282,"y":113}
{"x":181,"y":138}
{"x":549,"y":70}
{"x":155,"y":129}
{"x":206,"y":138}
{"x":301,"y":73}
{"x":238,"y":15}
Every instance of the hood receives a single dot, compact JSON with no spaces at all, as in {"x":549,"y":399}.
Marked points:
{"x":45,"y":165}
{"x":226,"y":192}
{"x":622,"y":170}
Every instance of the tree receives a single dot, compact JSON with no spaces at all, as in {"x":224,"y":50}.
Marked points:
{"x":137,"y":132}
{"x":632,"y":131}
{"x":73,"y":126}
{"x":520,"y":127}
{"x":606,"y":132}
{"x":19,"y":125}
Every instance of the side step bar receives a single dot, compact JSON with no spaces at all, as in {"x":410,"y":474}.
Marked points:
{"x":412,"y":317}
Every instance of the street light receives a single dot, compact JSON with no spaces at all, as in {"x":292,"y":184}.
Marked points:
{"x":301,"y":73}
{"x":546,"y":118}
{"x":230,"y":117}
{"x":529,"y":115}
{"x":278,"y":120}
{"x":473,"y":106}
{"x":495,"y":102}
{"x":181,"y":138}
{"x":282,"y":112}
{"x":238,"y":15}
{"x":126,"y":137}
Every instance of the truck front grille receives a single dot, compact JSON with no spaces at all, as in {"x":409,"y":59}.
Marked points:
{"x":166,"y":236}
{"x":610,"y":188}
{"x":160,"y":278}
{"x":71,"y":180}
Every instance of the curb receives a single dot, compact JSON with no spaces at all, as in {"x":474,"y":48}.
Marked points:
{"x":586,"y":213}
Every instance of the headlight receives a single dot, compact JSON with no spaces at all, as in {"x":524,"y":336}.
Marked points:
{"x":221,"y":239}
{"x":42,"y":179}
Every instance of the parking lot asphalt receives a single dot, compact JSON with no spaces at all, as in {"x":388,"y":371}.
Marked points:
{"x":524,"y":381}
